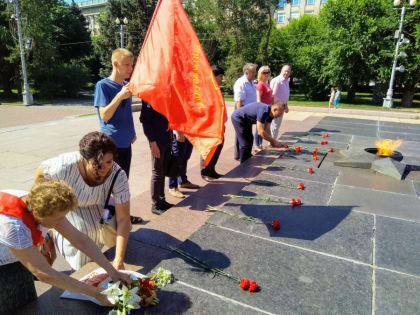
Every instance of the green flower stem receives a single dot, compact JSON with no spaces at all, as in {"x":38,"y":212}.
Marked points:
{"x":259,"y":198}
{"x":203,"y":264}
{"x":238,"y":216}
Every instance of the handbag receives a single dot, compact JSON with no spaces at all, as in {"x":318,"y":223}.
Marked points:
{"x":108,"y":224}
{"x":48,"y":248}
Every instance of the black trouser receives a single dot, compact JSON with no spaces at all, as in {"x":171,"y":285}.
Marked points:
{"x":157,"y":187}
{"x":17,"y":287}
{"x":124,"y":159}
{"x":243,"y":130}
{"x":210,"y":168}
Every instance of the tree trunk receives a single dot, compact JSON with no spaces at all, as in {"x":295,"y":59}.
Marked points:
{"x":379,"y":93}
{"x":267,"y":38}
{"x":408,"y":96}
{"x":351,"y":95}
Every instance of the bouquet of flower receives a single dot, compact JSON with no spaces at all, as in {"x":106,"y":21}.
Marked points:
{"x":139,"y":293}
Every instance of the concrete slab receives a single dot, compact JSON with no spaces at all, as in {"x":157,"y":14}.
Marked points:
{"x":398,"y":245}
{"x":295,"y":274}
{"x":393,"y":205}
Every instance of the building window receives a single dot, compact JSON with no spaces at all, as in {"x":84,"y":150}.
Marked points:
{"x":281,"y":4}
{"x":294,"y":15}
{"x":309,"y":2}
{"x":295,"y":2}
{"x":309,"y":12}
{"x":280,"y":17}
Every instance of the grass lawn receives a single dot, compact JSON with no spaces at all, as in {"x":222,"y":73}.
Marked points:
{"x":362,"y":101}
{"x":17,"y":100}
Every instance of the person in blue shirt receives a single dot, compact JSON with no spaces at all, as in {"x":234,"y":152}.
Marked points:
{"x":254,"y":113}
{"x":113,"y":103}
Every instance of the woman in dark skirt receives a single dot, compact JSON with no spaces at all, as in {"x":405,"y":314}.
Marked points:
{"x":21,"y":218}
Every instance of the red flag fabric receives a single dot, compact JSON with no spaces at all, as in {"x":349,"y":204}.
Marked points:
{"x":172,"y":73}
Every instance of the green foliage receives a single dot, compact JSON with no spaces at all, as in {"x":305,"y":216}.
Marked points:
{"x":138,"y":13}
{"x":61,"y":47}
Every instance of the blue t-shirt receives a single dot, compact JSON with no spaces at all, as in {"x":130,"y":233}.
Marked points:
{"x":121,"y":126}
{"x":253,"y":112}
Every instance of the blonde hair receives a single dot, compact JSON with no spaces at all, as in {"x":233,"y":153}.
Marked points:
{"x":260,"y":71}
{"x":119,"y":53}
{"x":48,"y":197}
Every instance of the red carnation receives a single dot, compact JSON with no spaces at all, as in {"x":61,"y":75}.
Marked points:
{"x":316,"y":150}
{"x":323,"y":136}
{"x":315,"y":156}
{"x":297,"y":149}
{"x":331,"y":149}
{"x":326,"y":134}
{"x":244,"y":284}
{"x":298,"y":202}
{"x":326,"y":142}
{"x":301,"y":186}
{"x":293,"y":202}
{"x":276,"y":225}
{"x":285,"y":146}
{"x":310,"y":170}
{"x":253,"y":287}
{"x":322,"y":142}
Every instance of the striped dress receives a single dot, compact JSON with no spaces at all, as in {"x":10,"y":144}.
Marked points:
{"x":91,"y":202}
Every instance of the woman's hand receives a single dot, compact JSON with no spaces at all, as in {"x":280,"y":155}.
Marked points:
{"x":120,"y":276}
{"x":119,"y":265}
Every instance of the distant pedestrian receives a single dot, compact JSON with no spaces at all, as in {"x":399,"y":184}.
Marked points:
{"x":264,"y":95}
{"x":332,"y":96}
{"x":281,"y":92}
{"x":255,"y":113}
{"x":244,"y":93}
{"x":337,"y":97}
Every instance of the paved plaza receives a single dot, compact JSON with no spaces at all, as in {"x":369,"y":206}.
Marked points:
{"x":352,"y":247}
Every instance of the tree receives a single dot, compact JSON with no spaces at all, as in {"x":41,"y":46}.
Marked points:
{"x":411,"y":77}
{"x":138,"y":13}
{"x":56,"y":63}
{"x":8,"y":67}
{"x":358,"y":36}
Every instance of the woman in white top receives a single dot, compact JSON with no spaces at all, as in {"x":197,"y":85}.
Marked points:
{"x":21,"y":218}
{"x":90,"y":172}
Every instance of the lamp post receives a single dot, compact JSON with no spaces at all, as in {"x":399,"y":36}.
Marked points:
{"x":388,"y":101}
{"x":122,"y":25}
{"x":27,"y":96}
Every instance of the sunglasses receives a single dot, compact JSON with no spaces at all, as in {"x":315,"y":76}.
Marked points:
{"x":266,"y":72}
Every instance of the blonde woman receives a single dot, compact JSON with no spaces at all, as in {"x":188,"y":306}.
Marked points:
{"x":22,"y":219}
{"x":332,"y":97}
{"x":264,"y":95}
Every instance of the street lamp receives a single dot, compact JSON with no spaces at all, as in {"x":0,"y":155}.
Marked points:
{"x":388,"y":101}
{"x":122,"y":25}
{"x":27,"y":96}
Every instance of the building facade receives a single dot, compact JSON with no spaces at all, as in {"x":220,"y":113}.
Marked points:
{"x":288,"y":10}
{"x":91,"y":10}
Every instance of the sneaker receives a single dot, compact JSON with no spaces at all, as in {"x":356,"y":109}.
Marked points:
{"x":166,"y":205}
{"x":208,"y":178}
{"x":176,"y":193}
{"x":188,"y":185}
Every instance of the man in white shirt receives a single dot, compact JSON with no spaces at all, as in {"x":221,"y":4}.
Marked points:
{"x":281,"y":92}
{"x":244,"y":93}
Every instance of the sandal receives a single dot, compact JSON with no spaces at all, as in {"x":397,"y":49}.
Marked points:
{"x":135,"y":220}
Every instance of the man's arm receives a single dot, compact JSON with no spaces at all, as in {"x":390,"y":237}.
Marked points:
{"x":265,"y":133}
{"x":106,"y":112}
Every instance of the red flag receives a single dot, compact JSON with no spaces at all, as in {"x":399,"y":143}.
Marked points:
{"x":173,"y":74}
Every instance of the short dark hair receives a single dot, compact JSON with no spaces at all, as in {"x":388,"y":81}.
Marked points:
{"x":95,"y":145}
{"x":217,"y":70}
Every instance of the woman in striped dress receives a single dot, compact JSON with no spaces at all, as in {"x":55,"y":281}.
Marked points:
{"x":90,"y":173}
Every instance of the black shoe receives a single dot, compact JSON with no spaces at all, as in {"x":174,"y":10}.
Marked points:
{"x":208,"y":178}
{"x":215,"y":175}
{"x":161,"y":207}
{"x":135,"y":220}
